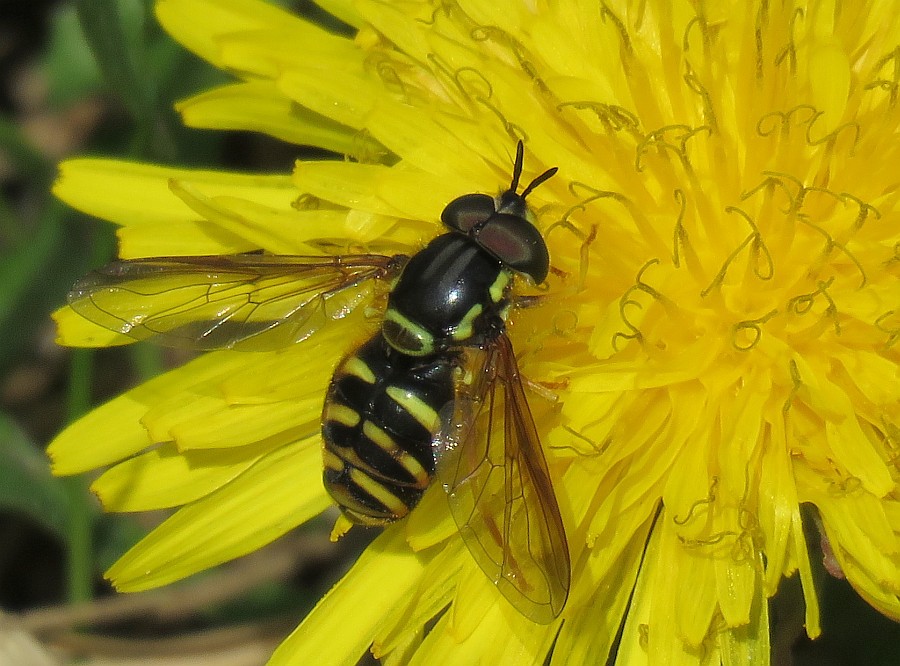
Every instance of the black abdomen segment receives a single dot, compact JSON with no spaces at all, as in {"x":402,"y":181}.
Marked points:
{"x":380,"y":415}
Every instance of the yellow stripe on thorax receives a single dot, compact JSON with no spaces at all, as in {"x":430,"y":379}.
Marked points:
{"x":499,"y":287}
{"x":463,"y":330}
{"x":414,"y":330}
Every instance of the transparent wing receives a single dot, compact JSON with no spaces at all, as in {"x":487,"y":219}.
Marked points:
{"x":249,"y":302}
{"x":500,"y":493}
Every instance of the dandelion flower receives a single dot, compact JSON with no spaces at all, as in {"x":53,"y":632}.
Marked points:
{"x":717,"y":343}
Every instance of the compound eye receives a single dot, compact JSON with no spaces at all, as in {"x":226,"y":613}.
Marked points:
{"x":466,"y":211}
{"x":518,"y":244}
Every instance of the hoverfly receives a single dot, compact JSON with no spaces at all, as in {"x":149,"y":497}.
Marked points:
{"x":436,"y":391}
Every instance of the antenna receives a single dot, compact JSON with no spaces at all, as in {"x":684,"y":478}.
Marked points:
{"x":517,"y":167}
{"x":549,"y":173}
{"x":517,"y":173}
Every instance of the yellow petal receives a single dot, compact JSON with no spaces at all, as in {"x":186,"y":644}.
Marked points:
{"x":73,"y":330}
{"x":345,"y":10}
{"x":376,"y":189}
{"x":339,"y":92}
{"x":197,"y":237}
{"x":431,"y":523}
{"x":748,"y":645}
{"x":113,"y":431}
{"x":261,"y":227}
{"x":256,"y":106}
{"x":855,"y":522}
{"x":800,"y":552}
{"x":778,"y":497}
{"x":435,"y":592}
{"x":383,"y":577}
{"x":650,"y":634}
{"x":262,"y":396}
{"x":475,"y":597}
{"x":880,"y":594}
{"x":130,"y":193}
{"x":500,"y":638}
{"x":279,"y":492}
{"x":243,"y":424}
{"x":220,"y":17}
{"x":165,"y":477}
{"x":588,"y":634}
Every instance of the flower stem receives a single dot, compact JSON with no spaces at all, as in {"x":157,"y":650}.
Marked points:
{"x":79,"y":535}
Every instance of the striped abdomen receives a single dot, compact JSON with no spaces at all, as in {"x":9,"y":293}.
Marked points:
{"x":380,"y":415}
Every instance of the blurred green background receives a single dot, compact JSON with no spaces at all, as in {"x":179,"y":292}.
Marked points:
{"x":98,"y":77}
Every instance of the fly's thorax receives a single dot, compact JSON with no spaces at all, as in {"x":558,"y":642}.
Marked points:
{"x":451,"y":294}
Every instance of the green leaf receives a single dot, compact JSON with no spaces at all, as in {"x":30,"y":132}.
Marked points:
{"x":26,"y":485}
{"x":71,"y":71}
{"x":116,"y":47}
{"x":16,"y":148}
{"x":23,"y":272}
